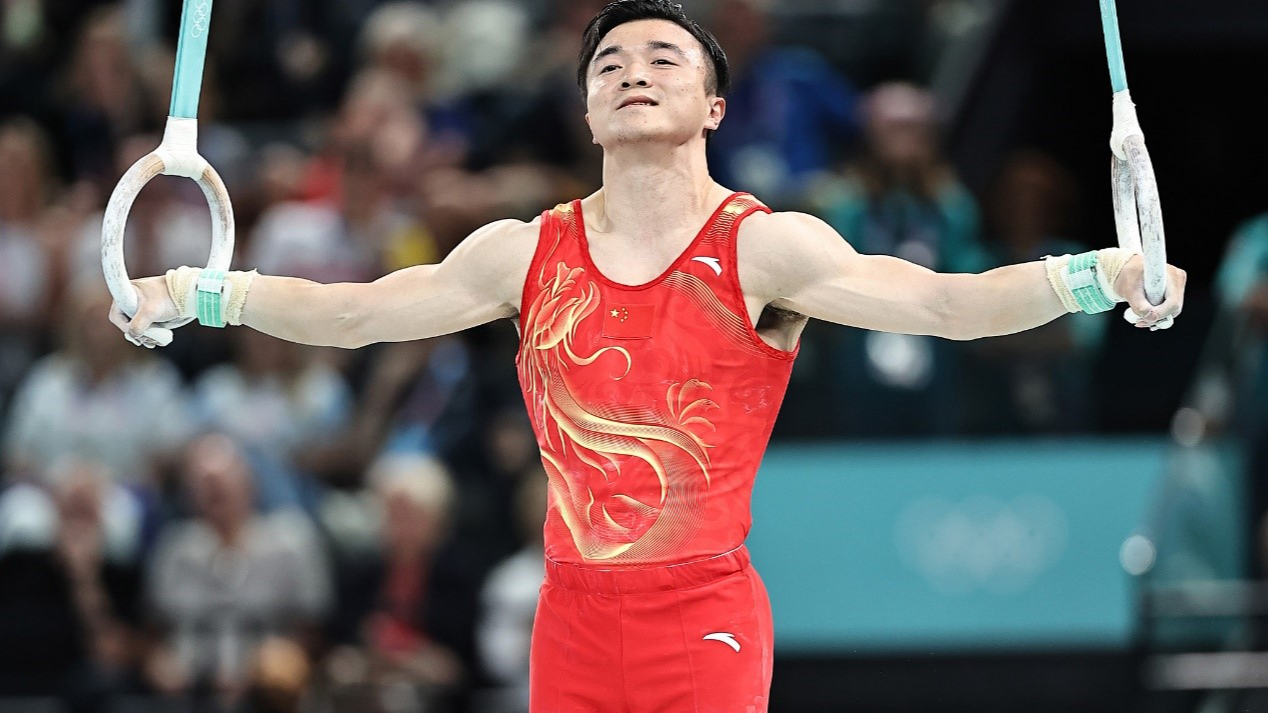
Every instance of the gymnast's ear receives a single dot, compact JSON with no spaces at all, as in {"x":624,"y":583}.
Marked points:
{"x":717,"y":109}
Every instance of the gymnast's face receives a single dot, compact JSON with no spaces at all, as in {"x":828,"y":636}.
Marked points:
{"x":647,"y":84}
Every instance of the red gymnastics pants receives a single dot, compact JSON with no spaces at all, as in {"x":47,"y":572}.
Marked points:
{"x":690,"y":638}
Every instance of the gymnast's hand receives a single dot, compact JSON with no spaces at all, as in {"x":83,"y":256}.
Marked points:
{"x":154,"y":308}
{"x":1131,"y":285}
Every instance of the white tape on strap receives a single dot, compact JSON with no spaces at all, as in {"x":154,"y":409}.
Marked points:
{"x":179,"y":149}
{"x":1125,"y":113}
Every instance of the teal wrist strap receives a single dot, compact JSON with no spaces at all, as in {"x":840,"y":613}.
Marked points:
{"x":1081,"y":278}
{"x":211,"y":285}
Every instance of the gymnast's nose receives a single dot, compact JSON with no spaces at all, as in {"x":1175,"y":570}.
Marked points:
{"x":636,"y":76}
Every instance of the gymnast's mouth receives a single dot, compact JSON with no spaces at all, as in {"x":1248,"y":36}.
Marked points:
{"x":637,"y":101}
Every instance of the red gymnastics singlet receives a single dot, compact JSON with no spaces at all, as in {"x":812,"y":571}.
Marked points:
{"x":652,"y":404}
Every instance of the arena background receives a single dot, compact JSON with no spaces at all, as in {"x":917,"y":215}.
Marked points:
{"x":1070,"y":518}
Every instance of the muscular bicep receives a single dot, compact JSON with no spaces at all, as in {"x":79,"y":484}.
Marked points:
{"x":480,"y":281}
{"x":802,"y":264}
{"x":420,"y":302}
{"x":811,"y":269}
{"x":872,"y":292}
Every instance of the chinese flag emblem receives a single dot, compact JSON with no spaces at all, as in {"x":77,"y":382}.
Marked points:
{"x":626,"y":321}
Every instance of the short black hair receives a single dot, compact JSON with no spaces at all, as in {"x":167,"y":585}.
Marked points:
{"x":623,"y":11}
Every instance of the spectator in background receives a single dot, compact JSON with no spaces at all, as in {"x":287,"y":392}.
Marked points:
{"x":787,"y":111}
{"x":549,"y":129}
{"x":479,"y":79}
{"x":349,"y":225}
{"x":28,"y":280}
{"x":103,"y":98}
{"x":435,"y":105}
{"x":509,"y":599}
{"x":376,"y":117}
{"x":276,"y":175}
{"x":225,"y":580}
{"x":280,"y":676}
{"x":284,"y":70}
{"x":491,"y":484}
{"x":1038,"y":381}
{"x":901,"y":198}
{"x":1242,"y":283}
{"x":70,"y":587}
{"x":407,"y":388}
{"x":98,"y":399}
{"x":406,"y":614}
{"x":487,"y":89}
{"x":27,"y":55}
{"x":277,"y":400}
{"x":485,"y":42}
{"x":448,"y":70}
{"x":406,"y":41}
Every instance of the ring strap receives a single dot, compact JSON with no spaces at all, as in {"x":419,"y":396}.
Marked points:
{"x":211,"y":285}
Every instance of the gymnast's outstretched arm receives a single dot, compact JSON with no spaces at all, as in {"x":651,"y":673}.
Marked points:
{"x":797,"y":262}
{"x":480,"y":281}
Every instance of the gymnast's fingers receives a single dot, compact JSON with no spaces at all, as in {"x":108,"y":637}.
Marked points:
{"x":1146,"y":313}
{"x":120,"y":320}
{"x":1172,"y":305}
{"x":148,"y":311}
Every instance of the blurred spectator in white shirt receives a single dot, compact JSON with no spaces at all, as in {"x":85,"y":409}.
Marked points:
{"x":98,"y":398}
{"x":350,"y":225}
{"x":278,"y":400}
{"x":26,"y":285}
{"x":227,"y":579}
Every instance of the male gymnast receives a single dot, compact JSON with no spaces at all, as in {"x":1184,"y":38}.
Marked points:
{"x":658,"y":319}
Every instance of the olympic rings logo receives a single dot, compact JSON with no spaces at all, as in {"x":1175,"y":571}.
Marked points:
{"x":198,"y":23}
{"x":981,"y":542}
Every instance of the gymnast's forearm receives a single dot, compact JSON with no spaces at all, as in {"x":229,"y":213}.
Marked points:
{"x":306,"y":312}
{"x":1005,"y":300}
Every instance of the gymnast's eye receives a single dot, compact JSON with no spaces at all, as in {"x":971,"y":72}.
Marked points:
{"x":607,"y":68}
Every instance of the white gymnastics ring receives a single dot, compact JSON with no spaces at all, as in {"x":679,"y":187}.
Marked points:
{"x":175,"y":156}
{"x":1138,"y":215}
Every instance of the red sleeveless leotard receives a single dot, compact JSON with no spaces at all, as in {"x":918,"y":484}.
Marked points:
{"x":652,"y":404}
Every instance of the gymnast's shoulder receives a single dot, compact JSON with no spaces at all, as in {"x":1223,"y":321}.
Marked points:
{"x":507,"y":243}
{"x":774,"y":238}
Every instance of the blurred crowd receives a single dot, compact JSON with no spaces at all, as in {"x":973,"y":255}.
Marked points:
{"x":242,"y":523}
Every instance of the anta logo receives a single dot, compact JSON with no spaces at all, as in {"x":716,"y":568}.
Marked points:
{"x":713,"y":263}
{"x":726,"y":638}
